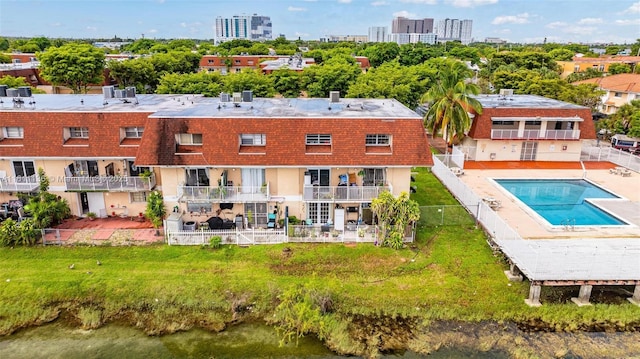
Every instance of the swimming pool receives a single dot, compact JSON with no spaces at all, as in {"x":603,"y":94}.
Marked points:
{"x":563,"y":201}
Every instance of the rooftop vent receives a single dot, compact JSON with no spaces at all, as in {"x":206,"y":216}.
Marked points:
{"x":120,"y":93}
{"x":24,"y":91}
{"x":247,"y":96}
{"x":237,"y":97}
{"x":107,"y":91}
{"x":506,"y":92}
{"x":3,"y":90}
{"x":224,"y":97}
{"x":12,"y":92}
{"x":334,"y":96}
{"x":130,"y":91}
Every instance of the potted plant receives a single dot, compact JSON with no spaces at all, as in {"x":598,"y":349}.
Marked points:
{"x":91,"y":216}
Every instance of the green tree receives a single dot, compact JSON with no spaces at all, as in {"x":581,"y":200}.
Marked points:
{"x":561,"y":54}
{"x":612,"y":50}
{"x":626,"y":120}
{"x":155,"y":210}
{"x":333,"y":75}
{"x":394,"y":215}
{"x":45,"y":208}
{"x":449,"y":101}
{"x":208,"y":84}
{"x":5,"y":59}
{"x":248,"y":79}
{"x":9,"y":232}
{"x":619,"y":68}
{"x":139,"y":73}
{"x":380,"y":53}
{"x":74,"y":65}
{"x":4,"y":44}
{"x":287,"y":82}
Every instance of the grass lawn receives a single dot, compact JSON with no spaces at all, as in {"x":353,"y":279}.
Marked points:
{"x":450,"y":273}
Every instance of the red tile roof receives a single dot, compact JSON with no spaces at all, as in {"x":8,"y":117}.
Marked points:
{"x":617,"y":83}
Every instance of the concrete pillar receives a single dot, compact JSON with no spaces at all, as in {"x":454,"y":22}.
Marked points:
{"x":636,"y":296}
{"x":513,"y":274}
{"x":583,"y":296}
{"x":534,"y":295}
{"x":543,"y":129}
{"x":521,"y":125}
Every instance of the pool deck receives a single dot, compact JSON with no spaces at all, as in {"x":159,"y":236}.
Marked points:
{"x":478,"y":176}
{"x":563,"y":255}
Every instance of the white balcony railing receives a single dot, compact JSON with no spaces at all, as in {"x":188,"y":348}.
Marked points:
{"x":535,"y":135}
{"x":343,"y":193}
{"x":224,"y":193}
{"x":110,"y":183}
{"x":19,"y":184}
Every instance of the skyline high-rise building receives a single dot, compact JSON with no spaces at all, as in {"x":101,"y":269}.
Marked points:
{"x":403,"y":25}
{"x":249,"y":27}
{"x":454,"y":30}
{"x":378,"y":34}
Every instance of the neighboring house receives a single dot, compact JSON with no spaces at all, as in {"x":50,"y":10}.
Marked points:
{"x":255,"y":156}
{"x":527,"y":128}
{"x":581,"y":64}
{"x":619,"y":90}
{"x":267,"y":63}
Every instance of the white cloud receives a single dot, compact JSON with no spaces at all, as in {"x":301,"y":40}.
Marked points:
{"x":56,"y":24}
{"x":404,"y":13}
{"x":92,"y":28}
{"x":579,"y":30}
{"x":344,"y":1}
{"x":633,"y":9}
{"x":183,"y":24}
{"x":152,"y":31}
{"x":470,"y":3}
{"x":426,"y":2}
{"x":293,"y":8}
{"x":511,"y":19}
{"x":556,"y":25}
{"x":627,"y":22}
{"x":590,"y":21}
{"x":379,"y":3}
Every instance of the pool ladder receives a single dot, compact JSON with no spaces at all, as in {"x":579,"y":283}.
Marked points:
{"x":569,"y":224}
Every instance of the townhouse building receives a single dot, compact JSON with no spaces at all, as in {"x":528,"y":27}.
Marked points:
{"x":228,"y":156}
{"x":581,"y":64}
{"x":527,"y":128}
{"x":619,"y":90}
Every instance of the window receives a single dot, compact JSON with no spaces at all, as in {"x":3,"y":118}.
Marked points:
{"x":189,"y":138}
{"x":508,"y":123}
{"x":533,"y":123}
{"x":318,"y":139}
{"x":197,"y":177}
{"x":255,"y":139}
{"x":618,"y":94}
{"x":79,"y":132}
{"x":24,"y":168}
{"x":138,"y":197}
{"x":377,"y":140}
{"x":237,"y":62}
{"x":12,"y":132}
{"x":133,"y":132}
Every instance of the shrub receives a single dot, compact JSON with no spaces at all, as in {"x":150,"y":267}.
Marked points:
{"x":215,"y":242}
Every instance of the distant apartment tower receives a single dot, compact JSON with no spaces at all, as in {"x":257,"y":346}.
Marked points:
{"x":249,"y":27}
{"x":413,"y":38}
{"x":454,"y":30}
{"x":378,"y":34}
{"x":403,"y":25}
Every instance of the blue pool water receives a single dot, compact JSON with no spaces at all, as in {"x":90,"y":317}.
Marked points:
{"x":560,"y":200}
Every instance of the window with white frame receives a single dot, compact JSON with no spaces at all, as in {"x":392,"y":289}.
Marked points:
{"x":138,"y":197}
{"x":24,"y":168}
{"x":78,"y":132}
{"x":133,"y":132}
{"x":377,"y":140}
{"x":189,"y":138}
{"x":253,"y":139}
{"x":617,"y":94}
{"x":13,"y":132}
{"x":318,"y":139}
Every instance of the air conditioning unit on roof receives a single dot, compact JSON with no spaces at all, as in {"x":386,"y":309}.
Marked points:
{"x":334,"y":96}
{"x":120,"y":93}
{"x":506,"y":92}
{"x":237,"y":97}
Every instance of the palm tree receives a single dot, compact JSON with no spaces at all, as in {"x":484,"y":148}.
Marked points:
{"x":450,"y":100}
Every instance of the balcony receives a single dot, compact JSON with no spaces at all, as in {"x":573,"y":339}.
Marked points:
{"x":109,"y":184}
{"x":343,"y":193}
{"x":19,"y":184}
{"x":535,"y":135}
{"x":226,"y":194}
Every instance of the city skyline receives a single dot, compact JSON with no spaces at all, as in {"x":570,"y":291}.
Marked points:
{"x":521,"y":21}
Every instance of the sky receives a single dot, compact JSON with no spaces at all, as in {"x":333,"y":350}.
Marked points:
{"x":523,"y":21}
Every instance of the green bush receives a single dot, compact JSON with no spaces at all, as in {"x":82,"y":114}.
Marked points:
{"x":215,"y":242}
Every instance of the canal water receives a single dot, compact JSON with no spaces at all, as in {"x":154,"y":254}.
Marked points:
{"x":242,"y":341}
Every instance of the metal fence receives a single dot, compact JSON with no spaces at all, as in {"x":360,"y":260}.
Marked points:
{"x":445,"y":215}
{"x":495,"y":226}
{"x":610,"y":154}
